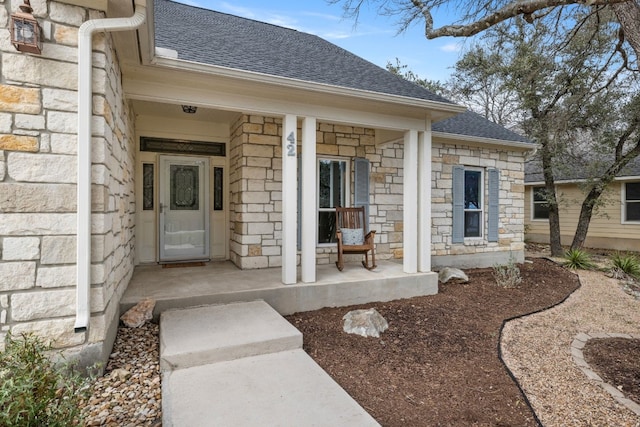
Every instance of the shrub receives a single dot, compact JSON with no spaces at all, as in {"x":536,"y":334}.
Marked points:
{"x":34,"y":391}
{"x":578,"y":259}
{"x":507,"y":276}
{"x":626,"y":264}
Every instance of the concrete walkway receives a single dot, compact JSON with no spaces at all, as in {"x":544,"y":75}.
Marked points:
{"x":242,"y":364}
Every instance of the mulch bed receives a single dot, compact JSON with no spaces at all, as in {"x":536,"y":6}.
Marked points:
{"x":617,"y":361}
{"x":438,"y":363}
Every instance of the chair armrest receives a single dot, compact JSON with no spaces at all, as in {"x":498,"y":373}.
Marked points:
{"x":370,"y":235}
{"x":339,"y":236}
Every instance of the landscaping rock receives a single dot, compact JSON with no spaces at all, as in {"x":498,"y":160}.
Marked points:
{"x":449,"y":273}
{"x":137,"y":315}
{"x":367,"y":323}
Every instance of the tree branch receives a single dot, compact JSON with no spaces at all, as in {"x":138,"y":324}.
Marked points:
{"x":511,"y":10}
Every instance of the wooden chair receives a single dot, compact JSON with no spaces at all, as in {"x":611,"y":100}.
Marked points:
{"x":352,"y":236}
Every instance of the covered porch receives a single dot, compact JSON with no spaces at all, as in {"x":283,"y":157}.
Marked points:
{"x":222,"y":282}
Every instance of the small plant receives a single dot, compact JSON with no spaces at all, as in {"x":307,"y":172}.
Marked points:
{"x":34,"y":391}
{"x":625,"y":265}
{"x":577,"y":259}
{"x":507,"y":276}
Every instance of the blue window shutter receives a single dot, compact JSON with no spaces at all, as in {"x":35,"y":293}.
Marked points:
{"x":457,"y":235}
{"x":494,"y":204}
{"x":299,"y":232}
{"x":361,"y":190}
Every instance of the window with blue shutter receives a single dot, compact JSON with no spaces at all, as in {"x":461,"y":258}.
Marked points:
{"x":469,"y":206}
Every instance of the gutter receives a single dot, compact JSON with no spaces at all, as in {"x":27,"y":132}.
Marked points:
{"x":85,"y":113}
{"x":487,"y":141}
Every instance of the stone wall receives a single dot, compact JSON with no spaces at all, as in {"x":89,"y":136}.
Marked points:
{"x":256,"y":188}
{"x":256,"y":183}
{"x":38,"y":126}
{"x":511,"y":219}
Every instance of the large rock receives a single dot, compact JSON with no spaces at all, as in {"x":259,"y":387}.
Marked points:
{"x":137,"y":315}
{"x":367,"y":323}
{"x":449,"y":273}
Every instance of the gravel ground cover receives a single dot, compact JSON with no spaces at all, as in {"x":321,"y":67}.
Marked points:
{"x":537,"y":349}
{"x":129,"y":392}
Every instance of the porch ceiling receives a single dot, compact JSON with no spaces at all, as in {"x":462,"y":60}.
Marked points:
{"x":174,"y":111}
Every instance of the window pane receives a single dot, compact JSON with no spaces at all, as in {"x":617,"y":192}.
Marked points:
{"x":472,"y":187}
{"x":539,"y":194}
{"x":633,"y":211}
{"x":633,"y":190}
{"x":331,"y":183}
{"x":472,"y":224}
{"x":327,"y":227}
{"x":147,"y":186}
{"x":540,"y":211}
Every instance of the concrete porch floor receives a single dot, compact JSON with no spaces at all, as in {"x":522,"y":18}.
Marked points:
{"x":221,"y":282}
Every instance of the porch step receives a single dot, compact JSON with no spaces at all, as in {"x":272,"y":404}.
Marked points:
{"x":209,"y":334}
{"x":276,"y":389}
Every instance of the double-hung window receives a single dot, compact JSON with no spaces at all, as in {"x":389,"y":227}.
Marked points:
{"x":632,"y":201}
{"x":473,"y":190}
{"x":332,"y":192}
{"x":540,"y":204}
{"x":475,"y":209}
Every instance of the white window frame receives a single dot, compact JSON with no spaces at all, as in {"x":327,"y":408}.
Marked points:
{"x":624,"y":202}
{"x":533,"y":204}
{"x":483,"y":201}
{"x":346,"y":189}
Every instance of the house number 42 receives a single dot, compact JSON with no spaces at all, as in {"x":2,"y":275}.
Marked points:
{"x":291,"y":146}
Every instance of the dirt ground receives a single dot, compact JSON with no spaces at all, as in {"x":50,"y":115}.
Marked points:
{"x":438,"y":363}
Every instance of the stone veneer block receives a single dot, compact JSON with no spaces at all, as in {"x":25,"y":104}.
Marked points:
{"x":3,"y":167}
{"x":42,"y":305}
{"x":17,"y":275}
{"x":56,"y":277}
{"x":18,"y":99}
{"x":22,"y":197}
{"x":20,"y":248}
{"x":37,"y":224}
{"x":19,"y":143}
{"x":58,"y":250}
{"x":46,"y":168}
{"x":39,"y":71}
{"x":59,"y":332}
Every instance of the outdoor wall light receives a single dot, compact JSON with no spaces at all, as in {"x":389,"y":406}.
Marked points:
{"x":25,"y":31}
{"x":189,"y":109}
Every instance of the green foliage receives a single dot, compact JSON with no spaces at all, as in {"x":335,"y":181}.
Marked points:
{"x":577,"y":259}
{"x":627,"y":264}
{"x":35,"y":392}
{"x":507,"y":276}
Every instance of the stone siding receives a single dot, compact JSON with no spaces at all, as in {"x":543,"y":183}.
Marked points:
{"x":256,"y":188}
{"x":256,"y":184}
{"x":38,"y":175}
{"x":511,"y":195}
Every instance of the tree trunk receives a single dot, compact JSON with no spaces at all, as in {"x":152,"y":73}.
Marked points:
{"x":586,"y":212}
{"x":554,"y":215}
{"x":628,"y":14}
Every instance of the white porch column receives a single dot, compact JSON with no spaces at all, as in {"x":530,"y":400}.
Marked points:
{"x":410,"y":196}
{"x":309,"y":189}
{"x":424,"y":200}
{"x":289,"y":199}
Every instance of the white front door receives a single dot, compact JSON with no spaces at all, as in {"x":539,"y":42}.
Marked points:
{"x":184,"y":208}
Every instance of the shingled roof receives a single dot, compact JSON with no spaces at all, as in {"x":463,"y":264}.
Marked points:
{"x":472,"y":124}
{"x":244,"y":44}
{"x":578,"y":169}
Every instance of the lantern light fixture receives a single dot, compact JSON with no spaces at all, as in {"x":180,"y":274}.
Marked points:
{"x":25,"y":31}
{"x":189,"y":109}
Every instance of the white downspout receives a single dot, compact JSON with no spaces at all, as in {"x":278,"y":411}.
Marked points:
{"x":85,"y":113}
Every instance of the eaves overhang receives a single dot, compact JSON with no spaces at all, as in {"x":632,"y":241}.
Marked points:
{"x":436,"y":110}
{"x":519,"y":145}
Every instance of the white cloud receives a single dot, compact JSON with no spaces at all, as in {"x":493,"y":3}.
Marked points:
{"x":451,"y":47}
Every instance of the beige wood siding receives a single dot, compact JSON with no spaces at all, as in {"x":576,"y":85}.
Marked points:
{"x":606,"y":229}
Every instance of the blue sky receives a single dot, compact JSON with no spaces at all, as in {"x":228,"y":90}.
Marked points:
{"x":375,"y":37}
